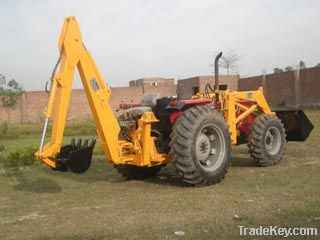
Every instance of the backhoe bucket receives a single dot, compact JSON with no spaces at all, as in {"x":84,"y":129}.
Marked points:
{"x":297,"y":125}
{"x":76,"y":157}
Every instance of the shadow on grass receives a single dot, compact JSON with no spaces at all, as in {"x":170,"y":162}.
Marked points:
{"x":107,"y":173}
{"x":88,"y":236}
{"x":240,"y":162}
{"x":100,"y":170}
{"x":167,"y":176}
{"x":70,"y":237}
{"x":41,"y":185}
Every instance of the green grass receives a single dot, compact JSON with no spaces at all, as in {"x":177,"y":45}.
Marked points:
{"x":38,"y":203}
{"x":75,"y":127}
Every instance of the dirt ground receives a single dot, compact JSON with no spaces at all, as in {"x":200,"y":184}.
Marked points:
{"x":38,"y":203}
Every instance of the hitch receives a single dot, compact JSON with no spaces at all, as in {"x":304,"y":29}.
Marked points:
{"x":75,"y":157}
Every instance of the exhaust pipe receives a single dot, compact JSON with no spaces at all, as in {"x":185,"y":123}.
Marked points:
{"x":216,"y":71}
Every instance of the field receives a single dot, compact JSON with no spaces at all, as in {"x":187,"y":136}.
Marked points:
{"x":38,"y":203}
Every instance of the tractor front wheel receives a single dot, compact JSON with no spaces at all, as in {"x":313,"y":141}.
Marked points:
{"x":200,"y":146}
{"x":267,"y":140}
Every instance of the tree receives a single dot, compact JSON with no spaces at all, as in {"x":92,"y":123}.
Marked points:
{"x":230,"y":61}
{"x":2,"y":79}
{"x":278,"y":70}
{"x":288,"y":68}
{"x":10,"y":93}
{"x":302,"y":65}
{"x":318,"y":65}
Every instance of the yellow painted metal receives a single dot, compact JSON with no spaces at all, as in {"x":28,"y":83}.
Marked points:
{"x":140,"y":152}
{"x":231,"y":102}
{"x":246,"y":113}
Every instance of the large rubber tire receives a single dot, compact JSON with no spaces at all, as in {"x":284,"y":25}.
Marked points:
{"x":200,"y":146}
{"x":135,"y":172}
{"x":267,"y":140}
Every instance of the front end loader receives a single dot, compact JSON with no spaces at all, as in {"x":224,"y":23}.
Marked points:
{"x":196,"y":135}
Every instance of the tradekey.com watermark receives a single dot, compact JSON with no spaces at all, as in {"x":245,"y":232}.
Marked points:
{"x":277,"y":231}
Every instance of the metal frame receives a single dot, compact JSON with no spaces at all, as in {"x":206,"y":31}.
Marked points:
{"x":230,"y":103}
{"x":140,"y":152}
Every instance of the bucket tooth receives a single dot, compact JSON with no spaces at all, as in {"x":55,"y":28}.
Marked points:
{"x":85,"y":143}
{"x":79,"y":142}
{"x":75,"y":157}
{"x":73,"y":143}
{"x":93,"y":142}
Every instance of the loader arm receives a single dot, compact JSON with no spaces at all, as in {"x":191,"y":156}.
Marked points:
{"x":73,"y":54}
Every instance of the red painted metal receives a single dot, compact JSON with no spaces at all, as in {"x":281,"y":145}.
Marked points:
{"x":245,"y":124}
{"x":174,"y":115}
{"x":189,"y":102}
{"x":197,"y":101}
{"x":183,"y":105}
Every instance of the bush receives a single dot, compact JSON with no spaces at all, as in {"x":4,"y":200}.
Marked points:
{"x":6,"y":131}
{"x":81,"y":128}
{"x":20,"y":158}
{"x":4,"y":128}
{"x":98,"y":150}
{"x":74,"y":127}
{"x":2,"y":148}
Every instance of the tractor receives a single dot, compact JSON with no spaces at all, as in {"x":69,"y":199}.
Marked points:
{"x":196,"y":135}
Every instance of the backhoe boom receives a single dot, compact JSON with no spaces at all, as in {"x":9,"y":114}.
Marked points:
{"x":73,"y":54}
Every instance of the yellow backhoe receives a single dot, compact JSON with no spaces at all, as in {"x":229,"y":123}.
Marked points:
{"x":195,"y":134}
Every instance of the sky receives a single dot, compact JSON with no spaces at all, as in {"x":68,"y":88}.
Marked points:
{"x":131,"y":39}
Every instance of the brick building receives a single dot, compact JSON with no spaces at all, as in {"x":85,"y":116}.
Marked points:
{"x":155,"y":81}
{"x":300,"y":88}
{"x":31,"y":105}
{"x":190,"y":86}
{"x":164,"y":86}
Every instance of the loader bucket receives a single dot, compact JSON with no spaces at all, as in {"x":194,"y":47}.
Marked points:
{"x":76,"y":157}
{"x":297,"y":125}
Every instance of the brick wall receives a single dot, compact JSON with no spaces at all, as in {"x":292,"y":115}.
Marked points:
{"x":13,"y":114}
{"x":32,"y":104}
{"x":310,"y":87}
{"x":152,"y":82}
{"x":165,"y":91}
{"x":125,"y":94}
{"x":299,"y":88}
{"x":250,"y":83}
{"x":230,"y":80}
{"x":185,"y":86}
{"x":279,"y":89}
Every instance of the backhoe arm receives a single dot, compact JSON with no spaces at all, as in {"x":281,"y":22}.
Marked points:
{"x":73,"y":54}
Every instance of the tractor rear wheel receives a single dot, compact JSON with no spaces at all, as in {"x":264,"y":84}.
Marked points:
{"x":135,"y":172}
{"x":267,"y":140}
{"x":200,"y":146}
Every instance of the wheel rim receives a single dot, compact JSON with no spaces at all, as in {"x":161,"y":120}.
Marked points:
{"x":272,"y":140}
{"x":210,"y":147}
